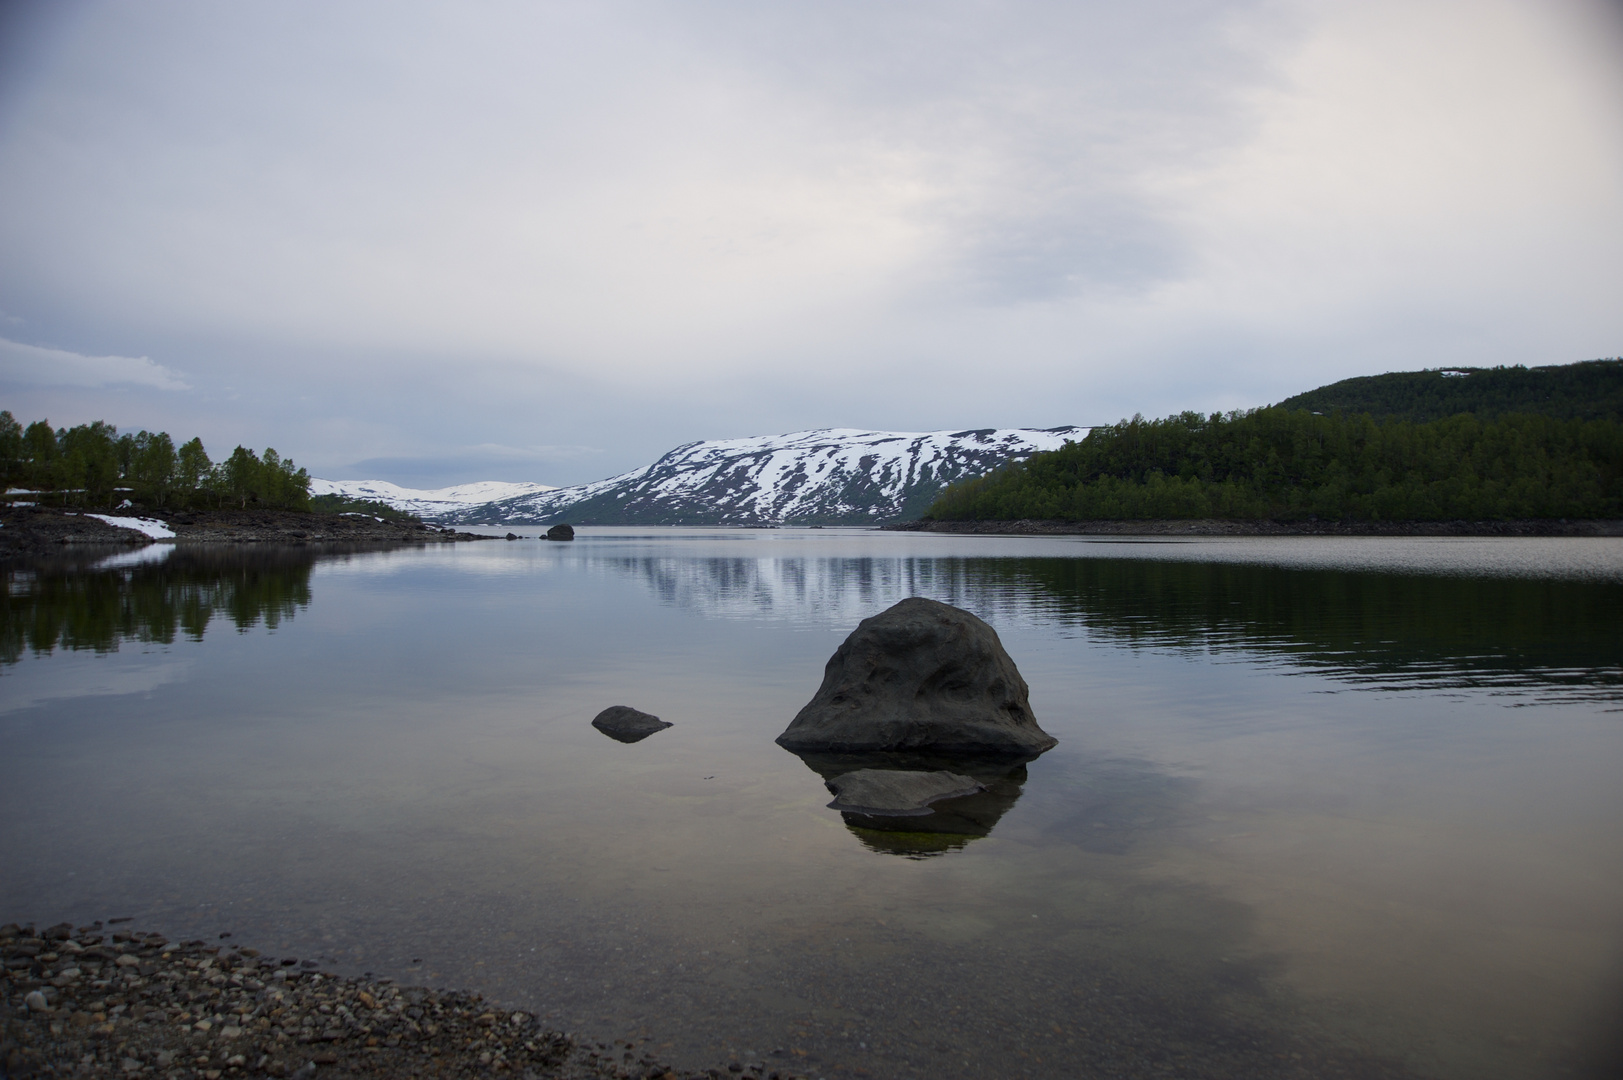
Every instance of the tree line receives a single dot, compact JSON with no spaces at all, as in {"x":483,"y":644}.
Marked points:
{"x":92,"y":465}
{"x":1283,"y":464}
{"x":1592,"y":390}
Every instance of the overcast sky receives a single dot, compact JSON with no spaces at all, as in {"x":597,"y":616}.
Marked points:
{"x":433,"y":243}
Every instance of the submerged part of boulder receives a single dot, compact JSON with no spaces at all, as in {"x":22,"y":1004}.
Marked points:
{"x":626,"y":724}
{"x":949,"y":822}
{"x":561,"y":532}
{"x":897,"y":793}
{"x":920,"y":676}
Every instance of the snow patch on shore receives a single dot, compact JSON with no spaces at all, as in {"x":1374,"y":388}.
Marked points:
{"x":156,"y":530}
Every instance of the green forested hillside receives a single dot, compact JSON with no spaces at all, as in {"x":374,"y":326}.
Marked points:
{"x":92,"y":465}
{"x":1588,"y":391}
{"x":1290,"y":464}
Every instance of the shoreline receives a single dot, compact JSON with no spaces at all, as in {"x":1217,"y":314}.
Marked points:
{"x":41,"y":530}
{"x":102,"y":1000}
{"x":1219,"y":527}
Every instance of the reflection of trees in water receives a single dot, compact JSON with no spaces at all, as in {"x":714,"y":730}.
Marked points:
{"x":1382,"y":631}
{"x":68,"y":604}
{"x":1364,"y":628}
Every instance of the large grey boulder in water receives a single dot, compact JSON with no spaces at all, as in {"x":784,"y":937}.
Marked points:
{"x":920,"y":676}
{"x":628,"y":725}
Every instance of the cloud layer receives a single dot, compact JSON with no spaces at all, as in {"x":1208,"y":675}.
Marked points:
{"x":31,"y":365}
{"x":623,"y":225}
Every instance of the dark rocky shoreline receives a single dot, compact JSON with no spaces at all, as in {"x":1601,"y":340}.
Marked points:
{"x":32,"y":530}
{"x":1215,"y":527}
{"x":107,"y":1001}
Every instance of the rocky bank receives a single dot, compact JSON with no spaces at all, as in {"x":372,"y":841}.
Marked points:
{"x":32,"y":530}
{"x":109,"y":1002}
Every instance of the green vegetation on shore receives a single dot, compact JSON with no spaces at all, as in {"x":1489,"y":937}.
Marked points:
{"x":92,"y":465}
{"x":1291,"y":464}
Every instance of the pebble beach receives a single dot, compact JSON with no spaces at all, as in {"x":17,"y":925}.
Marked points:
{"x":106,"y":1000}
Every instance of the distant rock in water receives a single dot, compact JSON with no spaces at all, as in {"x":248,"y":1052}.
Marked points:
{"x":897,"y":793}
{"x":626,"y":724}
{"x":920,"y":676}
{"x":561,"y":532}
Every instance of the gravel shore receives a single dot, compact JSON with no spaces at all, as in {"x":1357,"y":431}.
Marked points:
{"x":32,"y":530}
{"x":107,"y":1001}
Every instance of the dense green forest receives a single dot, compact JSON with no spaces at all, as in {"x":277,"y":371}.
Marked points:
{"x":92,"y":465}
{"x":1588,"y":391}
{"x":1289,"y":464}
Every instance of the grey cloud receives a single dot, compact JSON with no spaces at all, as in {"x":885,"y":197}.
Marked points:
{"x":34,"y":365}
{"x":456,"y":465}
{"x":383,"y":237}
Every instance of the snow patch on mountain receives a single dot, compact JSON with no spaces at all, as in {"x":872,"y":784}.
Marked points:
{"x":827,"y":476}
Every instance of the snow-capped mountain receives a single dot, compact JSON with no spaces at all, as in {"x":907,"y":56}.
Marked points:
{"x":432,"y":503}
{"x":830,"y":476}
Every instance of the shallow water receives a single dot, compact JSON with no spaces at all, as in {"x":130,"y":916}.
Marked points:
{"x":1320,"y":806}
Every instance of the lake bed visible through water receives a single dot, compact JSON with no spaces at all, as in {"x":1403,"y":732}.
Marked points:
{"x":1319,"y":806}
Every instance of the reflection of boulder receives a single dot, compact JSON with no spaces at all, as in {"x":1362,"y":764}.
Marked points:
{"x":947,"y":823}
{"x":909,"y":845}
{"x":626,"y":724}
{"x":920,"y":676}
{"x":897,"y":792}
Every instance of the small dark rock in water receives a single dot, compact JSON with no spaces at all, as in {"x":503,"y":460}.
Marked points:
{"x":920,"y":676}
{"x":897,"y":793}
{"x":626,"y":724}
{"x":561,"y":532}
{"x":512,"y":536}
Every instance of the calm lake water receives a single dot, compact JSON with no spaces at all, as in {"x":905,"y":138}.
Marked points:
{"x":1319,"y":807}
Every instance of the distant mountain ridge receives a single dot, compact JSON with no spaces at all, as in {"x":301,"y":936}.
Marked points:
{"x":1591,"y":390}
{"x":831,"y":476}
{"x":427,"y":503}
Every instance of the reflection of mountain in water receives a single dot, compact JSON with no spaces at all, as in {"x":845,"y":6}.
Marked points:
{"x":826,"y":592}
{"x":951,"y":823}
{"x":74,"y":604}
{"x":1546,"y":639}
